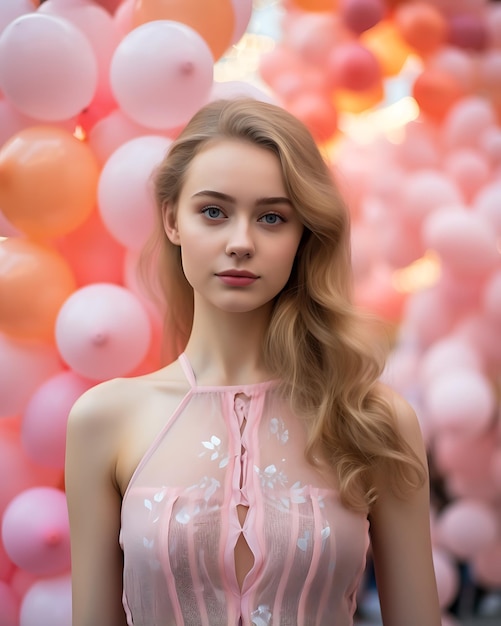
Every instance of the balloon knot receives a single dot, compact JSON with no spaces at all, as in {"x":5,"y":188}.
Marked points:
{"x":99,"y":339}
{"x":187,"y":68}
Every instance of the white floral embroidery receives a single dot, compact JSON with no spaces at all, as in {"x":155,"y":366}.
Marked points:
{"x":302,"y":542}
{"x":271,"y":477}
{"x":277,"y":428}
{"x":261,"y":616}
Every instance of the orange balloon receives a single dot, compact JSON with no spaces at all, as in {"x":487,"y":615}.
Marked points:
{"x":34,"y":282}
{"x":422,"y":25}
{"x":387,"y":45}
{"x":358,"y":101}
{"x":316,"y":5}
{"x":214,"y":20}
{"x":48,"y":181}
{"x":436,"y":92}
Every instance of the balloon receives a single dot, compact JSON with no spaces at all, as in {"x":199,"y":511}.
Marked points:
{"x":313,"y":35}
{"x":43,"y":433}
{"x":465,"y":527}
{"x":360,"y":15}
{"x":9,"y":605}
{"x":12,"y":9}
{"x":242,"y":13}
{"x":460,"y":400}
{"x":428,"y":316}
{"x":47,"y":603}
{"x":161,"y":73}
{"x":456,"y":63}
{"x":213,"y":20}
{"x":445,"y":354}
{"x":125,"y":195}
{"x":447,"y":576}
{"x":34,"y":282}
{"x":469,"y":169}
{"x":102,"y":331}
{"x":436,"y":92}
{"x":487,"y":566}
{"x":492,"y":297}
{"x":468,"y":31}
{"x":387,"y":45}
{"x":48,"y":181}
{"x":35,"y":531}
{"x":353,"y":66}
{"x":317,"y":113}
{"x":92,"y":253}
{"x":422,"y":26}
{"x":23,"y":367}
{"x":493,"y":25}
{"x":315,"y":5}
{"x":425,"y":191}
{"x":467,"y":120}
{"x":358,"y":101}
{"x":6,"y":228}
{"x":485,"y":335}
{"x":487,"y":203}
{"x":463,"y":240}
{"x":490,"y":145}
{"x":97,"y":25}
{"x":53,"y":80}
{"x":21,"y":472}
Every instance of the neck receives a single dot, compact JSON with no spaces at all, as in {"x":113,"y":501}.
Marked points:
{"x":227,"y":348}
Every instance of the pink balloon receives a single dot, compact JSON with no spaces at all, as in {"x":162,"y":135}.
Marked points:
{"x":468,"y":31}
{"x":112,"y":131}
{"x":469,"y":169}
{"x":360,"y":15}
{"x":447,"y":576}
{"x":492,"y":297}
{"x":457,"y":63}
{"x":6,"y":228}
{"x":419,"y":150}
{"x":125,"y":194}
{"x":47,"y":603}
{"x":425,"y":191}
{"x":43,"y":433}
{"x":485,"y":335}
{"x":242,"y":12}
{"x":353,"y":66}
{"x":427,"y":316}
{"x":493,"y":24}
{"x":6,"y":567}
{"x":446,"y":354}
{"x":9,"y":605}
{"x":490,"y":145}
{"x":53,"y":80}
{"x":464,"y":455}
{"x":161,"y":73}
{"x":23,"y":367}
{"x":102,"y":331}
{"x":466,"y":527}
{"x":487,"y":203}
{"x":35,"y":531}
{"x":460,"y":400}
{"x":313,"y":36}
{"x":97,"y":25}
{"x":463,"y":240}
{"x":467,"y":121}
{"x":487,"y":566}
{"x":12,"y":9}
{"x":123,"y":17}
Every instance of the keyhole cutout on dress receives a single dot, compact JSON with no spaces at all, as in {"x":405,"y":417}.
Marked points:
{"x":244,"y":559}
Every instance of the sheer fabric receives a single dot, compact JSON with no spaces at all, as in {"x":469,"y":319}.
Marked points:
{"x":224,"y":447}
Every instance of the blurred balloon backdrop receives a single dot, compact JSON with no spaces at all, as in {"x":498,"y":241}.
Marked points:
{"x":404,"y":99}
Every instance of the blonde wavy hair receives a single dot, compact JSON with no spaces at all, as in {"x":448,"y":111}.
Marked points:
{"x":317,"y":343}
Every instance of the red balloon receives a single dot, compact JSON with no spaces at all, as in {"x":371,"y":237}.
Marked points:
{"x":353,"y":66}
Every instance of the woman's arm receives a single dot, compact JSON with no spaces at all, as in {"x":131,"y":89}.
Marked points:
{"x":94,"y":504}
{"x":401,"y":544}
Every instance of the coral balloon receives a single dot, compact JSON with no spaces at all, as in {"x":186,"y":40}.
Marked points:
{"x":422,"y":26}
{"x":353,"y":66}
{"x":54,"y":80}
{"x":23,"y":367}
{"x":48,"y":181}
{"x":465,"y":527}
{"x":47,"y":603}
{"x":35,"y":531}
{"x":43,"y":431}
{"x":125,"y":195}
{"x":387,"y":45}
{"x":315,"y":5}
{"x":34,"y":283}
{"x":213,"y":20}
{"x":436,"y":92}
{"x":317,"y":113}
{"x":161,"y":73}
{"x":103,"y":331}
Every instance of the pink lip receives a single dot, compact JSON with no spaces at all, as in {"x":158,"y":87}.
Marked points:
{"x":237,"y":278}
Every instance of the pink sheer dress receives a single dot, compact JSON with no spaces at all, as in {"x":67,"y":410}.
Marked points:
{"x":224,"y":447}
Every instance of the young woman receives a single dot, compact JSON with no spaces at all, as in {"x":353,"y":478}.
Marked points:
{"x":240,"y":484}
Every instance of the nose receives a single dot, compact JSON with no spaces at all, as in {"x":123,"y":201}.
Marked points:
{"x":240,"y":241}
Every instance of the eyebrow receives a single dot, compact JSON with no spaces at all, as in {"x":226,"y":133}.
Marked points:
{"x":260,"y":201}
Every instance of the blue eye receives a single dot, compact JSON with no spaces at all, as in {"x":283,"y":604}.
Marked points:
{"x":212,"y":212}
{"x":271,"y":218}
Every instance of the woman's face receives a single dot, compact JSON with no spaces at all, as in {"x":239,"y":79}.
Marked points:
{"x":237,"y":229}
